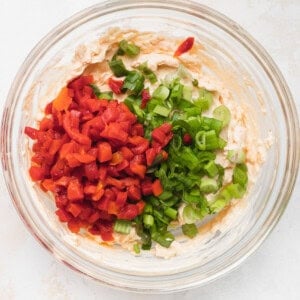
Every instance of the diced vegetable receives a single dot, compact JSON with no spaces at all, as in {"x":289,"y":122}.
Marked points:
{"x":118,"y":68}
{"x":185,"y":46}
{"x":134,"y":82}
{"x":101,"y":95}
{"x":208,"y":185}
{"x":147,"y":72}
{"x":236,"y":156}
{"x":189,"y":230}
{"x":122,"y":226}
{"x":115,"y":85}
{"x":136,"y":248}
{"x":129,"y":49}
{"x":205,"y":99}
{"x":164,"y":239}
{"x":223,"y":114}
{"x":195,"y":82}
{"x":161,"y":93}
{"x":63,"y":100}
{"x":148,"y":220}
{"x":161,"y":110}
{"x":240,"y":175}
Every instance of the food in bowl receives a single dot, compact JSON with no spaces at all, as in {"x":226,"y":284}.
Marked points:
{"x":142,"y":139}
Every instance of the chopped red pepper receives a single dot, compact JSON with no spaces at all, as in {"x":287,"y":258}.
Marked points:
{"x":92,"y":155}
{"x":187,"y":139}
{"x":74,"y":209}
{"x":145,"y":98}
{"x":115,"y":85}
{"x":75,"y":190}
{"x":104,"y":152}
{"x":157,"y":188}
{"x":185,"y":46}
{"x":36,"y":173}
{"x":63,"y":215}
{"x":31,"y":132}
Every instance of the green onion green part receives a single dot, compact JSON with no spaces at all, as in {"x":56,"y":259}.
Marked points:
{"x":147,"y":72}
{"x":223,"y":114}
{"x":236,"y":156}
{"x":161,"y":93}
{"x":189,"y":230}
{"x":122,"y":226}
{"x":136,"y":248}
{"x":134,"y":82}
{"x":117,"y":67}
{"x":129,"y":49}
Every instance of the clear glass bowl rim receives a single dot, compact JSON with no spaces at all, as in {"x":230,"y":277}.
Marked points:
{"x":198,"y":10}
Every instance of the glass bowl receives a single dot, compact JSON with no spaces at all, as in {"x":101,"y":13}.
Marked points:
{"x":257,"y":82}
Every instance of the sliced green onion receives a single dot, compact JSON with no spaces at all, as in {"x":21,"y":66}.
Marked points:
{"x":189,"y":198}
{"x":205,"y":156}
{"x":106,"y":95}
{"x":164,"y":239}
{"x":208,"y":185}
{"x":122,"y":226}
{"x":207,"y":140}
{"x":158,"y":215}
{"x":148,"y":209}
{"x":189,"y":230}
{"x":129,"y":49}
{"x":138,"y":111}
{"x":211,"y":169}
{"x":161,"y":110}
{"x":187,"y":93}
{"x":118,"y":68}
{"x":161,"y":93}
{"x":195,"y":124}
{"x":211,"y":124}
{"x":148,"y":220}
{"x":223,"y":114}
{"x":136,"y":248}
{"x":205,"y":99}
{"x":95,"y":89}
{"x":176,"y":92}
{"x":147,"y":72}
{"x":195,"y":82}
{"x":235,"y":190}
{"x":181,"y":124}
{"x":236,"y":156}
{"x":173,"y":78}
{"x":170,"y":78}
{"x":171,"y":212}
{"x":129,"y":101}
{"x":146,"y":246}
{"x":187,"y":157}
{"x":240,"y":175}
{"x":222,"y":143}
{"x":165,"y":195}
{"x":191,"y":214}
{"x":134,"y":82}
{"x":101,"y":95}
{"x":226,"y":195}
{"x":192,"y":111}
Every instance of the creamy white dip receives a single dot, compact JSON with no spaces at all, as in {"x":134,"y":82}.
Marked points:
{"x":157,"y":50}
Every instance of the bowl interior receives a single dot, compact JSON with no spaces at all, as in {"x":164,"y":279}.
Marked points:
{"x":246,"y":72}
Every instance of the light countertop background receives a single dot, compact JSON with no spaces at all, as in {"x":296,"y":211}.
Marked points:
{"x":28,"y":271}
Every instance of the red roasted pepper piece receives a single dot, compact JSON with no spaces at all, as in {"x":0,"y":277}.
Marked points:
{"x":157,"y":188}
{"x":145,"y":98}
{"x":115,"y":85}
{"x":185,"y":46}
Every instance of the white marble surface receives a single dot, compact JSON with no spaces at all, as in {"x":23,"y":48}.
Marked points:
{"x":27,"y":271}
